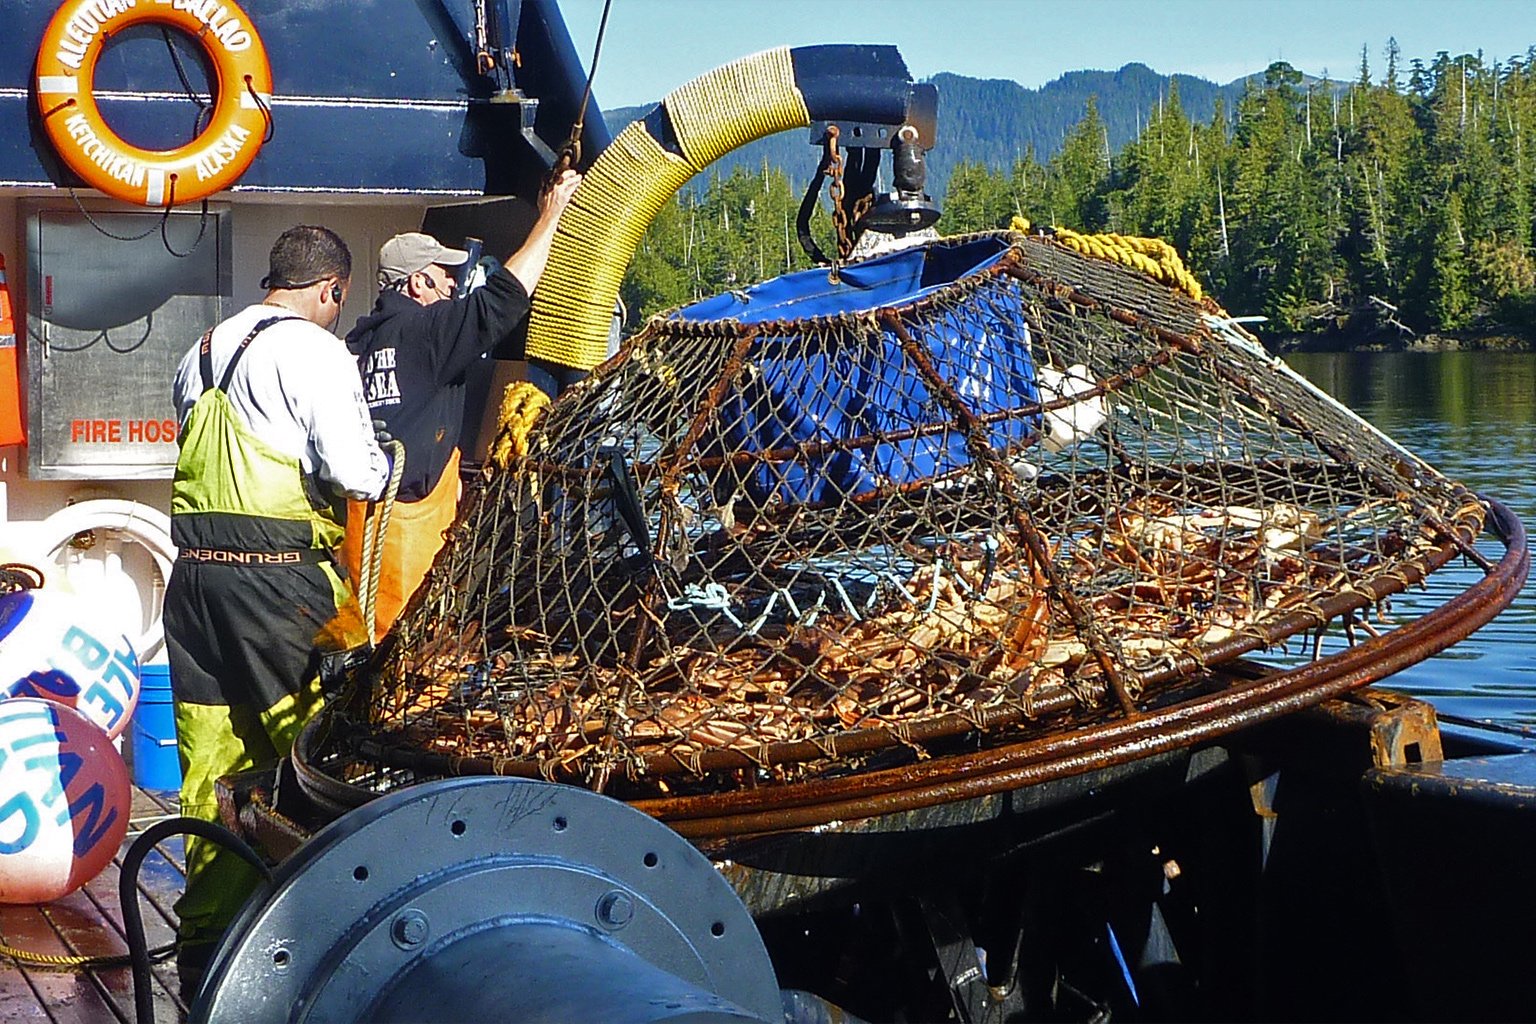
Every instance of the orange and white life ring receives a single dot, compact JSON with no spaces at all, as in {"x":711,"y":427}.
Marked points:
{"x":66,"y":70}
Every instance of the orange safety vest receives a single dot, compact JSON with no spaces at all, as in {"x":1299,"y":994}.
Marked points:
{"x":12,"y":430}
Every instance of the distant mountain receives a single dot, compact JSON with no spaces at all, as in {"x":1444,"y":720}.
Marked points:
{"x":996,"y":121}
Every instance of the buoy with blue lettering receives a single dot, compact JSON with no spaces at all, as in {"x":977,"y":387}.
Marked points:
{"x":53,"y":647}
{"x":64,"y":800}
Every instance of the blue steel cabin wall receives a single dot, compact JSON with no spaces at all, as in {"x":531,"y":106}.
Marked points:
{"x":370,"y":96}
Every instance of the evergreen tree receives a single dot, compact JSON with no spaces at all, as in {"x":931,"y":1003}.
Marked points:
{"x":739,"y":230}
{"x":1077,"y":179}
{"x":978,"y":200}
{"x":1158,"y":177}
{"x":1404,"y":204}
{"x":1027,"y":188}
{"x":1376,"y":145}
{"x":1450,"y":295}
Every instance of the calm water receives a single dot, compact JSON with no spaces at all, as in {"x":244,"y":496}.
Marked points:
{"x":1473,"y":416}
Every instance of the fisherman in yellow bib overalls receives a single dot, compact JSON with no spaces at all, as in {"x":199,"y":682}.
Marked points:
{"x":274,"y":437}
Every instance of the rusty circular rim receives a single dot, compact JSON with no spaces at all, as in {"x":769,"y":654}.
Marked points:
{"x":1004,"y":768}
{"x":382,"y":750}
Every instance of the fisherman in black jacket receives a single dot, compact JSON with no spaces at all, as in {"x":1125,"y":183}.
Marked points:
{"x":415,"y":351}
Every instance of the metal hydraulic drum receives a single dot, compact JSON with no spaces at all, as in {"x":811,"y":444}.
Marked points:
{"x":519,"y":900}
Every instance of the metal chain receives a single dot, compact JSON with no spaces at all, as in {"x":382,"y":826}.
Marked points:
{"x":484,"y":62}
{"x":835,"y":192}
{"x":861,"y":206}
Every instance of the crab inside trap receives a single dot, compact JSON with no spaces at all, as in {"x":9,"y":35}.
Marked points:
{"x":952,"y":494}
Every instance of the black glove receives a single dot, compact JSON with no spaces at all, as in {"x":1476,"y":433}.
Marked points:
{"x":381,"y":433}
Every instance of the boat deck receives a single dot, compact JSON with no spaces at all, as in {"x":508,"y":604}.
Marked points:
{"x":89,"y":922}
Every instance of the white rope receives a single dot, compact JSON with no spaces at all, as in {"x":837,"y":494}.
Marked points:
{"x":371,"y":561}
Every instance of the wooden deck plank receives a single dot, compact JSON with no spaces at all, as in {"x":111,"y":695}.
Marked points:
{"x":149,"y":808}
{"x":158,"y":931}
{"x":160,"y":886}
{"x":161,"y":879}
{"x":89,"y":922}
{"x":18,"y":1000}
{"x":154,"y":801}
{"x":77,"y":920}
{"x":162,"y":876}
{"x":168,"y":802}
{"x":65,"y":997}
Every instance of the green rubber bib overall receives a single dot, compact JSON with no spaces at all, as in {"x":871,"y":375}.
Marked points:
{"x":249,"y":610}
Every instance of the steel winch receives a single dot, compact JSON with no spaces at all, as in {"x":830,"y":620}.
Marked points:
{"x":493,"y":899}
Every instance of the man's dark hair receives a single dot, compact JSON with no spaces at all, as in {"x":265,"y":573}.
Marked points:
{"x":305,"y":254}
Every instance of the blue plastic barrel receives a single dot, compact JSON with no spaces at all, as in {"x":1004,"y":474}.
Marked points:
{"x":156,"y":762}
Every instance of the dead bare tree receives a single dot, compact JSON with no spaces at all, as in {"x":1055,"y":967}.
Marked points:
{"x":1391,"y":316}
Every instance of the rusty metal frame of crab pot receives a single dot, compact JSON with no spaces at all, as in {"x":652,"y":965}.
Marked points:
{"x":964,"y":496}
{"x":1245,"y":696}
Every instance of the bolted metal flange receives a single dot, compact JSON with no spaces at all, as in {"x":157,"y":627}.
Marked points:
{"x":510,"y":899}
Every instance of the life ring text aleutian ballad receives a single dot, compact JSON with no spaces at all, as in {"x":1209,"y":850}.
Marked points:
{"x":66,"y":68}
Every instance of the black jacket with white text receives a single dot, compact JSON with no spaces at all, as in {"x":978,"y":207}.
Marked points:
{"x":415,"y":361}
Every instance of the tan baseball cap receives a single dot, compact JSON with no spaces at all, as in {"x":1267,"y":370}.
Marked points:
{"x":403,"y":255}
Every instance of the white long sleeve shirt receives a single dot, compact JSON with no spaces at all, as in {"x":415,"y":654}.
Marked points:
{"x":297,"y":388}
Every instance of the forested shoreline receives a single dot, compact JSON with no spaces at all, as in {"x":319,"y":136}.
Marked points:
{"x":1392,"y":211}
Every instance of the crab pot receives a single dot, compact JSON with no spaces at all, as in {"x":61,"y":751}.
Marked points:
{"x":923,"y":594}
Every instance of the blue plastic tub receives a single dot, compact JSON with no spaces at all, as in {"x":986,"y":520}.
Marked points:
{"x":156,"y":760}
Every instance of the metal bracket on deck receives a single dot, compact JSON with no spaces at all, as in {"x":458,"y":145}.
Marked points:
{"x":1406,"y":734}
{"x":1402,"y":730}
{"x":964,"y":972}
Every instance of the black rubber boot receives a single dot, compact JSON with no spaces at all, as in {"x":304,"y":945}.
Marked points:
{"x":192,"y":961}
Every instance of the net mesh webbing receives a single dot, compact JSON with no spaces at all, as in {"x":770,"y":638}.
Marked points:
{"x":793,"y":530}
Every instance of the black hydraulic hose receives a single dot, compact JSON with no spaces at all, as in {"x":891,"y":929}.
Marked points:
{"x":803,"y":216}
{"x":128,"y":894}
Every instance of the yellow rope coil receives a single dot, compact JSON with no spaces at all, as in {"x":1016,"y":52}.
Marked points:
{"x":630,"y":184}
{"x":1152,"y":256}
{"x":522,"y":404}
{"x":759,"y":88}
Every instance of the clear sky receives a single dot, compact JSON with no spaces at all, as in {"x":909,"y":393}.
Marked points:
{"x":652,"y":46}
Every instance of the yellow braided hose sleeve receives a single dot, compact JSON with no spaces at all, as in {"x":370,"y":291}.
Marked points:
{"x":632,"y":181}
{"x":760,"y":93}
{"x":598,"y":234}
{"x":1152,"y":256}
{"x":56,"y":961}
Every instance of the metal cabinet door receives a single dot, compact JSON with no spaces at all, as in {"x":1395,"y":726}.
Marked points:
{"x":114,"y":299}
